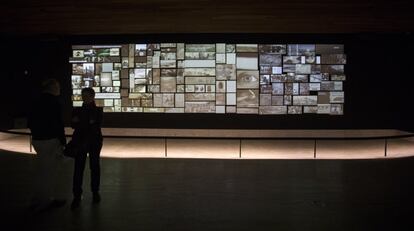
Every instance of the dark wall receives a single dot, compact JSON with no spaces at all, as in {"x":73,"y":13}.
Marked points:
{"x":378,"y":90}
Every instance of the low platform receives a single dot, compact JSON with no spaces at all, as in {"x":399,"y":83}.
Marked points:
{"x":239,"y":144}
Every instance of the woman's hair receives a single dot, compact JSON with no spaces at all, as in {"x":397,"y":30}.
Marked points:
{"x":89,"y":91}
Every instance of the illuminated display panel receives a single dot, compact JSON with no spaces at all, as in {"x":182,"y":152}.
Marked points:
{"x":212,"y":78}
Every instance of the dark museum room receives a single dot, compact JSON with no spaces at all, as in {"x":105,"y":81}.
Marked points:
{"x":206,"y":115}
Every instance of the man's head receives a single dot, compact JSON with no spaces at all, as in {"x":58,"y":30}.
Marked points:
{"x":51,"y":86}
{"x":88,"y":95}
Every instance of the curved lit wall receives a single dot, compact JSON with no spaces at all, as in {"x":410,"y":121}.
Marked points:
{"x":212,"y":78}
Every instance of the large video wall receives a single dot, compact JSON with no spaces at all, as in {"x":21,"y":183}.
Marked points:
{"x":212,"y":78}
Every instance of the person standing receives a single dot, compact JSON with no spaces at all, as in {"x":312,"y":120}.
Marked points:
{"x":87,"y":136}
{"x":48,"y":139}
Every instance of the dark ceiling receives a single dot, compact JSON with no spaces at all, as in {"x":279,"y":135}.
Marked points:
{"x":78,"y":17}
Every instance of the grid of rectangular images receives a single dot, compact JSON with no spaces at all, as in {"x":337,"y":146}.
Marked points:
{"x":212,"y":78}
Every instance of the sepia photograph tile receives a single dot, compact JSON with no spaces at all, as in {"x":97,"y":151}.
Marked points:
{"x":200,"y":72}
{"x":221,"y":86}
{"x":338,"y":77}
{"x":199,"y":63}
{"x":338,"y":85}
{"x":323,"y":97}
{"x":315,"y":78}
{"x":168,"y":84}
{"x":154,"y":88}
{"x":180,"y":51}
{"x":174,"y":110}
{"x":226,"y":72}
{"x":277,"y":89}
{"x":189,"y":88}
{"x":304,"y":88}
{"x":78,"y":53}
{"x":273,"y":110}
{"x":106,"y":79}
{"x":156,"y":74}
{"x":199,"y":88}
{"x":266,"y":89}
{"x":169,"y":72}
{"x":208,"y":55}
{"x":265,"y":99}
{"x":230,"y":48}
{"x":337,"y":109}
{"x":277,"y":100}
{"x":287,"y":100}
{"x":200,"y":107}
{"x":231,"y":109}
{"x":246,"y":48}
{"x":303,"y":69}
{"x":308,"y":100}
{"x":179,"y":100}
{"x":333,"y":59}
{"x":247,"y":61}
{"x":272,"y":48}
{"x":220,"y":109}
{"x":168,"y":56}
{"x":241,"y":110}
{"x":210,"y":88}
{"x":277,"y":70}
{"x":264,"y":79}
{"x":200,"y":97}
{"x":76,"y":82}
{"x":278,"y":78}
{"x":231,"y":86}
{"x":230,"y":58}
{"x":231,"y":99}
{"x":301,"y":78}
{"x":132,"y":109}
{"x":124,"y":93}
{"x":153,"y":110}
{"x":221,"y":48}
{"x":294,"y":109}
{"x":220,"y":58}
{"x":291,"y":88}
{"x":324,"y":108}
{"x":333,"y":69}
{"x":192,"y":55}
{"x":220,"y":99}
{"x":168,"y":45}
{"x":180,"y":88}
{"x":247,"y":79}
{"x":248,"y":98}
{"x":327,"y":86}
{"x":200,"y":47}
{"x":168,"y":64}
{"x":200,"y":80}
{"x":310,"y":109}
{"x":265,"y":69}
{"x":168,"y":100}
{"x":293,"y":59}
{"x":270,"y":59}
{"x":309,"y":59}
{"x":289,"y":68}
{"x":336,"y":97}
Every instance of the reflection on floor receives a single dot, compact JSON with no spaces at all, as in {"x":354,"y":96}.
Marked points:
{"x":219,"y":194}
{"x":244,"y":148}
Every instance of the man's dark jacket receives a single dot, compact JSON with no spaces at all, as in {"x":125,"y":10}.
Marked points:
{"x":45,"y":119}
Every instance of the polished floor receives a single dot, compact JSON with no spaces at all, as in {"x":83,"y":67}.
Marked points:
{"x":220,"y":194}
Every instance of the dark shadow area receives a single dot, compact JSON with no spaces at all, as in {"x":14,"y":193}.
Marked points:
{"x":202,"y":194}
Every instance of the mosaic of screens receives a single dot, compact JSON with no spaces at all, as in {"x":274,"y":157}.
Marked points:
{"x":212,"y":78}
